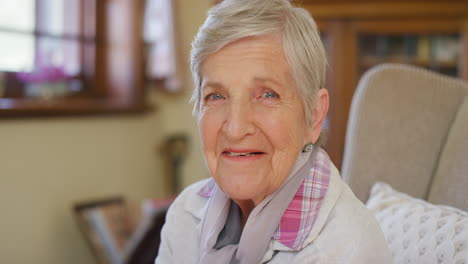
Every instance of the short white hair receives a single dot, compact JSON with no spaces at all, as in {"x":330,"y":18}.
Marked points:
{"x":232,"y":20}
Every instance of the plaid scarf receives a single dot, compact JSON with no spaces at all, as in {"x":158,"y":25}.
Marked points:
{"x":292,"y":221}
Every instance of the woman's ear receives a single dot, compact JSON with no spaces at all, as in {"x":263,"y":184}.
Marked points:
{"x":319,"y":112}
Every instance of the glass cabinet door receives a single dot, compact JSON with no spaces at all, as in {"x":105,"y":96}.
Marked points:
{"x":437,"y":52}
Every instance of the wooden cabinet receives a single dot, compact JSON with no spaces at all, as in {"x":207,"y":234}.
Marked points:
{"x":362,"y":33}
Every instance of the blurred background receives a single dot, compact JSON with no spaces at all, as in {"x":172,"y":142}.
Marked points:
{"x":94,"y":100}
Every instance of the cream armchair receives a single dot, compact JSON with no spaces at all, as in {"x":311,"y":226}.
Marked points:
{"x":408,"y":127}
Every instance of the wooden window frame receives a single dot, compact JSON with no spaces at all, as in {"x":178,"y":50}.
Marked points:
{"x":118,"y":76}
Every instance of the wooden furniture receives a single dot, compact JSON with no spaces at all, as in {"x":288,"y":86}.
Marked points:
{"x":147,"y":249}
{"x":361,"y":33}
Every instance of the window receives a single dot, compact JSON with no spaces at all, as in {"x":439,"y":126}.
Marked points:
{"x":70,"y":57}
{"x":17,"y":49}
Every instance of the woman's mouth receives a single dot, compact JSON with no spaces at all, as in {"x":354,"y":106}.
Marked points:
{"x":242,"y":154}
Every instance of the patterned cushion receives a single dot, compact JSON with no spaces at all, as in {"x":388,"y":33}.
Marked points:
{"x":418,"y":231}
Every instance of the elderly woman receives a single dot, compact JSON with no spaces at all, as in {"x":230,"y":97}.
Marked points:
{"x":273,"y":196}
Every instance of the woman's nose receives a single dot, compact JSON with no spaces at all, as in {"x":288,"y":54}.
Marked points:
{"x":238,"y":121}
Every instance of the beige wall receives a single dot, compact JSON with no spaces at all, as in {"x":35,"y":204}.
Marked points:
{"x":48,"y":164}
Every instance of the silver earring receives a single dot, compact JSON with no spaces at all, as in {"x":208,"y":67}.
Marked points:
{"x":308,"y":147}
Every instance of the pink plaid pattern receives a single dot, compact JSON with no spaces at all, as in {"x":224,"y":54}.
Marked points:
{"x":299,"y":218}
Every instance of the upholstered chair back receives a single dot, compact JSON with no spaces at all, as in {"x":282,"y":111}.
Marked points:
{"x":409,"y":127}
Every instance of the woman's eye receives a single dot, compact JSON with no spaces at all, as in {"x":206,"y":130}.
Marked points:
{"x":270,"y":95}
{"x":214,"y":97}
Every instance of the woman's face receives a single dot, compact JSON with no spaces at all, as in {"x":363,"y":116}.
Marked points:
{"x":252,"y":121}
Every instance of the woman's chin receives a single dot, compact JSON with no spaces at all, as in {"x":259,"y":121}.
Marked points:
{"x":243,"y":186}
{"x":246,"y":194}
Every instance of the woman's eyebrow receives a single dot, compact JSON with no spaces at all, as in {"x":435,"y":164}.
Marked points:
{"x":215,"y":85}
{"x":267,"y":80}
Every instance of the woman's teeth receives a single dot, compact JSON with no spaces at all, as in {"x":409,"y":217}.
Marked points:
{"x":246,"y":154}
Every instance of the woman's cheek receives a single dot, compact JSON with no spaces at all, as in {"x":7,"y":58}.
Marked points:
{"x":281,"y":126}
{"x":209,"y":122}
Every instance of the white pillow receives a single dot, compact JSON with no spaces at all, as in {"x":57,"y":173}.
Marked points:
{"x":418,"y":231}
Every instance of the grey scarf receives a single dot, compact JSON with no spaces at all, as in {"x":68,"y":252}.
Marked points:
{"x":260,"y":226}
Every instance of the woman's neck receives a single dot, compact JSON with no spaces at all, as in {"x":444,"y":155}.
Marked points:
{"x":246,"y":207}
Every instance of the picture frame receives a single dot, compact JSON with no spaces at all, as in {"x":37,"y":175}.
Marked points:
{"x":108,"y":226}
